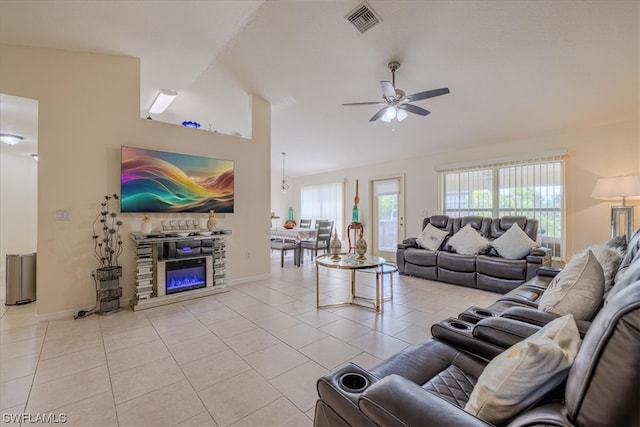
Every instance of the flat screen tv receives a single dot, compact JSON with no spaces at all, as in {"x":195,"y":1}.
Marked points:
{"x":159,"y":181}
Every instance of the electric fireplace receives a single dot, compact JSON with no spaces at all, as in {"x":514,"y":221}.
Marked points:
{"x":183,"y":275}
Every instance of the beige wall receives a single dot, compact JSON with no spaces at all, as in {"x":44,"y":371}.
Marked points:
{"x":603,"y":151}
{"x":18,"y":206}
{"x":89,"y":107}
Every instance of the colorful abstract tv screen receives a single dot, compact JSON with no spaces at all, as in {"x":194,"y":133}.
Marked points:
{"x":158,"y":181}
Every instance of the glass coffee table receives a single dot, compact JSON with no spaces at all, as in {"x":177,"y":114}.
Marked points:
{"x":350,"y":262}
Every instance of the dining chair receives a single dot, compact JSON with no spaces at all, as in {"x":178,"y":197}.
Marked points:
{"x":321,"y":241}
{"x":283,"y":246}
{"x":305,"y":223}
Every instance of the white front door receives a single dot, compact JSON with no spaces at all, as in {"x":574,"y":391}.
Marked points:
{"x":387,"y":216}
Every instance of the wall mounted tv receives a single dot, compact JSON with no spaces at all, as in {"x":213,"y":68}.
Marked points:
{"x":158,"y":181}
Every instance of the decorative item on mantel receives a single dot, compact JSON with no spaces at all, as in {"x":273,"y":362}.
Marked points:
{"x":211,"y":222}
{"x":356,"y":200}
{"x":336,"y":246}
{"x":146,"y":228}
{"x":361,"y":248}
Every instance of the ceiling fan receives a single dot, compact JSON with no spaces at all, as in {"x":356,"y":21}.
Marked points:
{"x":395,"y":102}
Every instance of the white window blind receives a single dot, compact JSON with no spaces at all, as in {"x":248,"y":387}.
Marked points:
{"x":324,"y":201}
{"x":533,"y":188}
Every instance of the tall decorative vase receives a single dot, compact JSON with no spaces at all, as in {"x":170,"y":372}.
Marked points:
{"x":361,"y":248}
{"x":290,"y":214}
{"x":211,"y":222}
{"x":356,"y":200}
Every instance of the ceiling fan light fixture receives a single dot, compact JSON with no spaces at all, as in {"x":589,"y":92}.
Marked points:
{"x":10,"y":139}
{"x":401,"y":114}
{"x":389,"y":114}
{"x":163,"y":100}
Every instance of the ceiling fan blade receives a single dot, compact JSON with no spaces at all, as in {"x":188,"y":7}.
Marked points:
{"x":427,"y":94}
{"x":387,"y":89}
{"x":415,"y":109}
{"x":377,"y":115}
{"x":365,"y":103}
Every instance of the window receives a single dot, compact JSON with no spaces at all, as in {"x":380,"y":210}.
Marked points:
{"x":531,"y":188}
{"x":324,"y":201}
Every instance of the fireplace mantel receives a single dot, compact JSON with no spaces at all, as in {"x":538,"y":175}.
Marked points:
{"x":153,"y":252}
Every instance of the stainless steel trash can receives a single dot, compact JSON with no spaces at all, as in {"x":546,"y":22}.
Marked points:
{"x":21,"y":279}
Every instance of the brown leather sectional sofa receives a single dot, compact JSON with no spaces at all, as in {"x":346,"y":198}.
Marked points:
{"x":430,"y":383}
{"x":486,"y":270}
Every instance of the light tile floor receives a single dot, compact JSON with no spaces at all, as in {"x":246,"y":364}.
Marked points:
{"x":247,"y":357}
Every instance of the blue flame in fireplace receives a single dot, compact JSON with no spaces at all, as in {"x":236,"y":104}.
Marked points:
{"x":186,"y":278}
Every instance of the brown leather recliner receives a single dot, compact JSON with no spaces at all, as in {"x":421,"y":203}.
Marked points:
{"x":429,"y":384}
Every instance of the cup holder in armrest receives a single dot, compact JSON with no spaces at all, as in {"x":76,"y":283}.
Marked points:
{"x":353,"y":382}
{"x":456,"y":324}
{"x":475,"y":314}
{"x":452,"y":327}
{"x":483,"y":313}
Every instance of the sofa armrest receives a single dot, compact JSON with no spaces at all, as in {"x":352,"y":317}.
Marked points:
{"x":529,"y":315}
{"x":408,"y":243}
{"x":538,"y":257}
{"x":459,"y":334}
{"x":547,"y":271}
{"x":503,"y":332}
{"x":540,"y":251}
{"x":396,"y":401}
{"x":539,"y":318}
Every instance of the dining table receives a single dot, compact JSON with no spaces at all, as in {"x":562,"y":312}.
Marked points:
{"x":296,"y":235}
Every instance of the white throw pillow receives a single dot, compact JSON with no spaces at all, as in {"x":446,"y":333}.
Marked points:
{"x":577,"y":289}
{"x":524,"y":373}
{"x":431,"y":237}
{"x":468,"y":241}
{"x":609,"y":258}
{"x":514,"y":243}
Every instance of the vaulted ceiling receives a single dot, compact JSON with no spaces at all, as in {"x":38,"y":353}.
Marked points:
{"x":515,"y":69}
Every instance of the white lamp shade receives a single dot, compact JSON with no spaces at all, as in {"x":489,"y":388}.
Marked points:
{"x":617,"y":188}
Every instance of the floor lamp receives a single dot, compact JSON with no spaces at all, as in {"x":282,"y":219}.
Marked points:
{"x":620,"y":187}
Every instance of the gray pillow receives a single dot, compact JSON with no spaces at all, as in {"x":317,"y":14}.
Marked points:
{"x":521,"y":375}
{"x":514,"y":243}
{"x":431,"y":237}
{"x":468,"y":241}
{"x":609,"y":258}
{"x":577,"y":289}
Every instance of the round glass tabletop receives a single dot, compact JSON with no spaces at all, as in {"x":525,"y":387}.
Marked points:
{"x":349,"y":261}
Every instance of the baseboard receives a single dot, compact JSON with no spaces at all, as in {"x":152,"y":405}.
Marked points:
{"x":59,"y":315}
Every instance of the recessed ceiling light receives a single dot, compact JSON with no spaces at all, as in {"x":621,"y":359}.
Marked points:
{"x":10,"y":139}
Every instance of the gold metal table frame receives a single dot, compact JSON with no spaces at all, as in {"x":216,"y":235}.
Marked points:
{"x":350,"y":262}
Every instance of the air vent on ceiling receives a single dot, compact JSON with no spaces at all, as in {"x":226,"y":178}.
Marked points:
{"x":363,"y":17}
